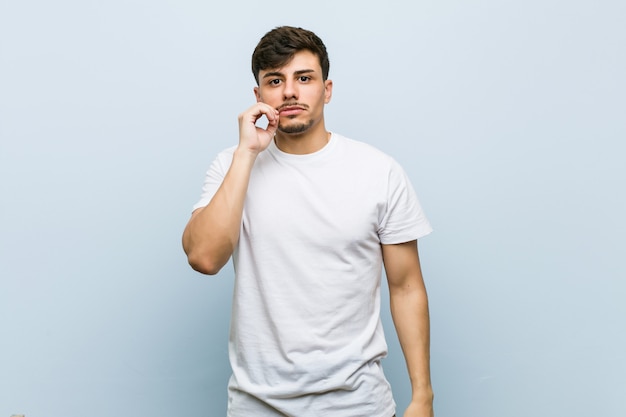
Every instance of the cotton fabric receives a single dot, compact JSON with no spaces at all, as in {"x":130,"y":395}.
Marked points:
{"x":306,"y":337}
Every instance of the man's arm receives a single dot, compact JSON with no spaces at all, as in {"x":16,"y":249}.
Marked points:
{"x":409,"y":310}
{"x":213,"y":231}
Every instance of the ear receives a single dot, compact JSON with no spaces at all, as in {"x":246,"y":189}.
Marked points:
{"x":257,"y":94}
{"x":328,"y":91}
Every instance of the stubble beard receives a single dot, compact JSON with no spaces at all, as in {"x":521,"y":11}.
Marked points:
{"x":295,"y":128}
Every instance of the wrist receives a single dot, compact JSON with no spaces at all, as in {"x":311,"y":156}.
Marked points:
{"x":423,"y":395}
{"x":245,"y":154}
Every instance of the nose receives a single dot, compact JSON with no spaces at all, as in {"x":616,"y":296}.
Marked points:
{"x":291,"y":90}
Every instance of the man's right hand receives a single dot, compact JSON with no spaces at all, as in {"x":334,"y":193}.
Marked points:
{"x":213,"y":231}
{"x":252,"y":137}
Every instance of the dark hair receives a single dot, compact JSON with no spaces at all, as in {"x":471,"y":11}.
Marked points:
{"x":278,"y":46}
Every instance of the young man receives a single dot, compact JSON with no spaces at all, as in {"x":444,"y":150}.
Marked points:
{"x":310,"y":217}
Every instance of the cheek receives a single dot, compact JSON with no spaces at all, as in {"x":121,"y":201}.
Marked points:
{"x":269,"y":97}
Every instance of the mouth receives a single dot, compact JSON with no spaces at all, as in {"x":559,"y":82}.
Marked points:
{"x":291,"y":109}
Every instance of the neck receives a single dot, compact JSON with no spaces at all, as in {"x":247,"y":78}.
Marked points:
{"x":303,"y":143}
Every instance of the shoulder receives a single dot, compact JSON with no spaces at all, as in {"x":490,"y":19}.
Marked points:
{"x":366,"y":153}
{"x":223,"y":159}
{"x":361,"y":148}
{"x":227,"y":153}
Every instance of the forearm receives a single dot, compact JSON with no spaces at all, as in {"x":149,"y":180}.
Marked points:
{"x":409,"y":309}
{"x":213,"y":231}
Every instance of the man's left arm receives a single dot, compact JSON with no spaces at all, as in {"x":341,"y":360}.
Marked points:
{"x":409,"y":310}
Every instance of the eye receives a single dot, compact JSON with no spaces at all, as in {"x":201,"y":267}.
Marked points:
{"x":304,"y":78}
{"x":274,"y":81}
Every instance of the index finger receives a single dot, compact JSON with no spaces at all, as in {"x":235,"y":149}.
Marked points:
{"x":260,"y":109}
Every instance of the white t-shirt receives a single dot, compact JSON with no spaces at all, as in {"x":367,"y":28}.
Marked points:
{"x":306,"y":337}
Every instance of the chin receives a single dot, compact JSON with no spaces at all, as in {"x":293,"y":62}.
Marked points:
{"x":295,"y":128}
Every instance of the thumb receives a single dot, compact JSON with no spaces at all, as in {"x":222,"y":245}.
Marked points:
{"x":272,"y":126}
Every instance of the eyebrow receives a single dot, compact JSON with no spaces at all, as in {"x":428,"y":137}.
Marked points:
{"x":280,"y":74}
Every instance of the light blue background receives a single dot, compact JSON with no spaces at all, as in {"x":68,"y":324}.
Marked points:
{"x":509,"y":117}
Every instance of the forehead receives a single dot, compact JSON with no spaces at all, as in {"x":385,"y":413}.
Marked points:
{"x":301,"y":60}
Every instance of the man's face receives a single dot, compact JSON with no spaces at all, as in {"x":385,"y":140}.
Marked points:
{"x":297,"y":91}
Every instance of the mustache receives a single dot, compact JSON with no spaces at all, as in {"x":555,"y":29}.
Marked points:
{"x":294,"y":104}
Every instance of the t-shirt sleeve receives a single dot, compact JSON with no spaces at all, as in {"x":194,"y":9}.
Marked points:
{"x":404,"y":219}
{"x":214,"y":177}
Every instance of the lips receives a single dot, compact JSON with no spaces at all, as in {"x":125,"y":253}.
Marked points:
{"x":290,"y":110}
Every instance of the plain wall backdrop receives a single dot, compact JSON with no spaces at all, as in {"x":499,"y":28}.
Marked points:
{"x":509,"y":117}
